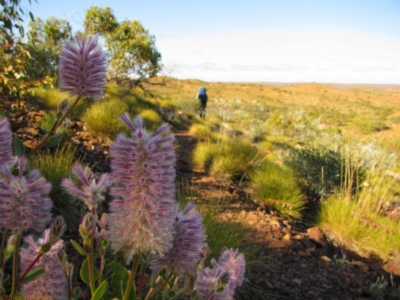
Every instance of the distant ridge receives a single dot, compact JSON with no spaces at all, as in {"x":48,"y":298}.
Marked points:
{"x":338,"y":85}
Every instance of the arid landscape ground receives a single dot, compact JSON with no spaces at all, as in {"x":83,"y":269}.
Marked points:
{"x":294,"y":259}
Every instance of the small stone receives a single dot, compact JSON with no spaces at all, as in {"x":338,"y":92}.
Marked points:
{"x":316,"y":234}
{"x":362,"y":266}
{"x":326,"y":258}
{"x":287,"y":237}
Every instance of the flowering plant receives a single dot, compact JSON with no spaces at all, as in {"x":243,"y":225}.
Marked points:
{"x":144,"y":222}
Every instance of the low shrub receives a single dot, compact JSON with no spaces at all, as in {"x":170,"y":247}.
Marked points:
{"x":318,"y":169}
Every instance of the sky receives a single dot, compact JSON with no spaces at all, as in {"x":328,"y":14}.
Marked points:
{"x":325,"y":41}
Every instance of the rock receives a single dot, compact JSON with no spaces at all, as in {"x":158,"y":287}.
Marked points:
{"x":279,"y":244}
{"x":393,"y":265}
{"x":362,"y":266}
{"x":315,"y":234}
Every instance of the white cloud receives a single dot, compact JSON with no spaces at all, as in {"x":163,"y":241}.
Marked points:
{"x":287,"y":56}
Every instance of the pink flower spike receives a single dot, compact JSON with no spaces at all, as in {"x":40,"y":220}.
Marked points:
{"x":92,"y":192}
{"x":185,"y":253}
{"x":83,"y":67}
{"x":230,"y":267}
{"x":24,"y":202}
{"x":6,"y":156}
{"x":52,"y":283}
{"x":143,"y":206}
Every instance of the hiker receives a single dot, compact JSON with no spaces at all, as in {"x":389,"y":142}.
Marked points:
{"x":202,"y":97}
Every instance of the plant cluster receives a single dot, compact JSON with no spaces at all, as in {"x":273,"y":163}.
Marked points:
{"x":145,"y":224}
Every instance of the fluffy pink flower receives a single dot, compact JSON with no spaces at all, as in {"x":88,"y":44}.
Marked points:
{"x":230,"y":268}
{"x":83,"y":67}
{"x":23,"y":200}
{"x":6,"y":156}
{"x":143,"y":208}
{"x":51,"y":284}
{"x":92,"y":191}
{"x":189,"y":237}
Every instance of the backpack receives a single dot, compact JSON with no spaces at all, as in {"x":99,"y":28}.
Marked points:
{"x":202,"y":95}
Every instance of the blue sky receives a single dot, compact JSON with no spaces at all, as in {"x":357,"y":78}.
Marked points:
{"x":341,"y":41}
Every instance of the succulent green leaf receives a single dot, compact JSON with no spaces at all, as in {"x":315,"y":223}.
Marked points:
{"x":100,"y":291}
{"x":78,"y":248}
{"x":19,"y":147}
{"x":53,"y":141}
{"x":32,"y":275}
{"x":85,"y":272}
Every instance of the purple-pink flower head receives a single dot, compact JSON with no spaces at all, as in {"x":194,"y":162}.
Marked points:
{"x":24,"y":202}
{"x":52,"y":283}
{"x":185,"y":253}
{"x":92,"y":191}
{"x":6,"y":156}
{"x":83,"y":67}
{"x":230,"y":267}
{"x":143,"y":174}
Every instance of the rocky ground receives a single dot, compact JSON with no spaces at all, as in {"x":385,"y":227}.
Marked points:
{"x":295,"y":261}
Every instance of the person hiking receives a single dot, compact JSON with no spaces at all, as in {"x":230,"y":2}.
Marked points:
{"x":202,"y":97}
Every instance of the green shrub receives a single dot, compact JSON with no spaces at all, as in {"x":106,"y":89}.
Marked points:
{"x":102,"y":119}
{"x":151,"y":119}
{"x":318,"y":169}
{"x":54,"y":166}
{"x":278,"y":187}
{"x":188,"y":105}
{"x":368,"y":125}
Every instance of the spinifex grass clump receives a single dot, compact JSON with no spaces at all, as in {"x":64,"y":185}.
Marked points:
{"x":232,"y":159}
{"x":102,"y":121}
{"x":151,"y":119}
{"x":54,"y":166}
{"x":278,"y":187}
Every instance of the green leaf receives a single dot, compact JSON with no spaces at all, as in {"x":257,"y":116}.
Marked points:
{"x":45,"y":248}
{"x":98,"y":294}
{"x":53,"y":141}
{"x":85,"y":272}
{"x":162,"y":273}
{"x":31,"y":16}
{"x":32,"y":275}
{"x":78,"y":248}
{"x":105,"y":243}
{"x":119,"y":270}
{"x":19,"y":147}
{"x":59,"y":115}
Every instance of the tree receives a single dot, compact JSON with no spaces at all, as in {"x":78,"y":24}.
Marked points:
{"x":44,"y":45}
{"x":14,"y":83}
{"x":133,"y":55}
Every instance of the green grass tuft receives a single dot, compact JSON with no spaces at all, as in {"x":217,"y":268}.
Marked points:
{"x":102,"y":119}
{"x":54,"y":166}
{"x":278,"y":187}
{"x":151,"y":119}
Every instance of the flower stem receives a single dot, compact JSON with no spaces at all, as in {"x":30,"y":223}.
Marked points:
{"x":132,"y":276}
{"x":139,"y":290}
{"x":55,"y":126}
{"x":29,"y":267}
{"x":155,"y":294}
{"x":91,"y":270}
{"x":15,"y":266}
{"x":3,"y":242}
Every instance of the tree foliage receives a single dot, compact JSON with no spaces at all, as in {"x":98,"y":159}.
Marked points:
{"x":133,"y":55}
{"x":44,"y":44}
{"x":14,"y":81}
